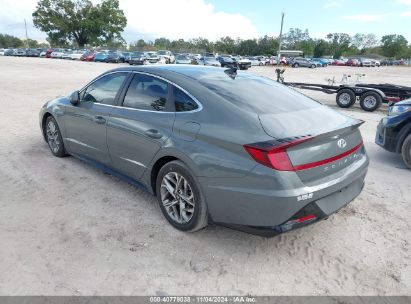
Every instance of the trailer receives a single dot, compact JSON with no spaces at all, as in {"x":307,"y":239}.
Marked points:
{"x":370,"y":96}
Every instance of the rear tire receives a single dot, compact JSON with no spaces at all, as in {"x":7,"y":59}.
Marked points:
{"x":406,"y":151}
{"x":370,"y":101}
{"x":345,"y":98}
{"x":183,"y":214}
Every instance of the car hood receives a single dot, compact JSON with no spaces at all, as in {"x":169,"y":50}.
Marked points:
{"x":312,"y":121}
{"x":406,"y":102}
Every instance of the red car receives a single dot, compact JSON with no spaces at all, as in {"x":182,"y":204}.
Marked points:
{"x":48,"y":53}
{"x":353,"y":62}
{"x":88,"y":56}
{"x":338,"y":62}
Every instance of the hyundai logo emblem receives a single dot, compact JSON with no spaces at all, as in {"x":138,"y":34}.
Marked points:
{"x":342,"y":143}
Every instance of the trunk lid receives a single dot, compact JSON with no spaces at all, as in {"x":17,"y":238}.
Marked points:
{"x":335,"y":142}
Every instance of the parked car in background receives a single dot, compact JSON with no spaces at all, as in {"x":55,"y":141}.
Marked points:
{"x":100,"y":56}
{"x":48,"y":53}
{"x":20,"y":52}
{"x":209,"y":61}
{"x":138,"y":58}
{"x":323,"y":62}
{"x":244,"y":63}
{"x":167,"y":56}
{"x":8,"y":52}
{"x":317,"y":63}
{"x":387,"y":62}
{"x":115,"y":57}
{"x":227,"y":61}
{"x":67,"y":55}
{"x":153,"y":57}
{"x":255,"y":61}
{"x":126,"y":56}
{"x":57,"y":53}
{"x":2,"y":52}
{"x":339,"y":62}
{"x":33,"y":52}
{"x":365,"y":62}
{"x":394,"y":131}
{"x":76,"y":55}
{"x":88,"y":56}
{"x":270,"y":60}
{"x":375,"y":63}
{"x":353,"y":62}
{"x":302,"y":62}
{"x":183,"y":59}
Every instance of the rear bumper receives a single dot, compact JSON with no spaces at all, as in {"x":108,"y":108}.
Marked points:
{"x":258,"y":207}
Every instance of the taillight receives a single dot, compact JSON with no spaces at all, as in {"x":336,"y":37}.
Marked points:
{"x":274,"y":154}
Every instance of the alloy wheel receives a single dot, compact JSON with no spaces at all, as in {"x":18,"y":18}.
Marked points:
{"x":53,"y":137}
{"x":177,"y":197}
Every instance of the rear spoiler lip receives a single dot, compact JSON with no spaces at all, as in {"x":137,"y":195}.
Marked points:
{"x":287,"y":142}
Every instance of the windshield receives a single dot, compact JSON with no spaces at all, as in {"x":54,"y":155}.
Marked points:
{"x":182,"y":57}
{"x":272,"y":97}
{"x":137,"y":54}
{"x":162,"y":52}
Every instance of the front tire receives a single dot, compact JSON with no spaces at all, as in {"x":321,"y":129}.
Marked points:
{"x":406,"y":151}
{"x":54,"y":138}
{"x":180,"y":198}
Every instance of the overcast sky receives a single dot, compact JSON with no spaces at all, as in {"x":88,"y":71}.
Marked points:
{"x":236,"y":18}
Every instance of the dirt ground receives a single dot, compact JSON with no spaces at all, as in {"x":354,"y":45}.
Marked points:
{"x":69,"y":229}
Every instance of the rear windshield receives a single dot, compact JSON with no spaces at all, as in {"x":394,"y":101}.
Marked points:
{"x":257,"y":94}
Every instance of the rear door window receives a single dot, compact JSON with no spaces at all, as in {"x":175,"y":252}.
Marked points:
{"x":146,"y":93}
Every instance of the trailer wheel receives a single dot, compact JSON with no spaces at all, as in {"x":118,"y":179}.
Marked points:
{"x":345,"y":98}
{"x":370,"y":101}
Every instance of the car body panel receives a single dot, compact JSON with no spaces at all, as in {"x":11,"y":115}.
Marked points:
{"x":236,"y":189}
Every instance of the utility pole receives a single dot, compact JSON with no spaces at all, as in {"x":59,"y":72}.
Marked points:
{"x":280,"y":40}
{"x":27,"y":37}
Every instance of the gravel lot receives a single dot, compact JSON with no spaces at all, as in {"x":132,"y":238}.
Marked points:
{"x":69,"y":229}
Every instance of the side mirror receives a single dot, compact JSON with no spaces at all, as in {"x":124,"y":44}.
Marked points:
{"x":75,"y":98}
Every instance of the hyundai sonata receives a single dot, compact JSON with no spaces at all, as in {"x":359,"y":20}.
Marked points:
{"x":213,"y":144}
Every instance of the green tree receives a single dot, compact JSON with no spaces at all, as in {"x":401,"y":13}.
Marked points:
{"x":364,"y":41}
{"x":338,"y":43}
{"x":8,"y":41}
{"x":394,"y":46}
{"x":80,"y":20}
{"x":321,"y":48}
{"x":162,"y":43}
{"x":294,"y":37}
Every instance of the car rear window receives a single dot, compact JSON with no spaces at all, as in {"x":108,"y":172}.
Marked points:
{"x":257,"y":94}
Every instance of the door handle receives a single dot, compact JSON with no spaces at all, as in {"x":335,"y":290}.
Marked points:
{"x":99,"y":119}
{"x":153,"y":134}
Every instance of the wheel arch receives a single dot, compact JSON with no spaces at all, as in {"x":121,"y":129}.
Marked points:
{"x":155,"y":169}
{"x":402,"y":135}
{"x":163,"y":157}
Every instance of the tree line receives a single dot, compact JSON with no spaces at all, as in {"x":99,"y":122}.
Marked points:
{"x":80,"y":23}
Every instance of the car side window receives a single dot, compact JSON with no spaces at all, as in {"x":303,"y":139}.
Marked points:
{"x":104,"y":89}
{"x":183,"y":102}
{"x":146,"y":93}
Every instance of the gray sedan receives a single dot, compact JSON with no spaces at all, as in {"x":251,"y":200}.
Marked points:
{"x":213,"y":144}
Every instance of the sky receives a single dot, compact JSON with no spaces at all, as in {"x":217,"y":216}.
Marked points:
{"x":213,"y":19}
